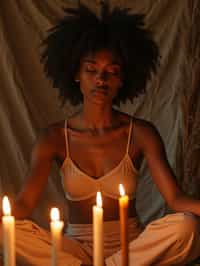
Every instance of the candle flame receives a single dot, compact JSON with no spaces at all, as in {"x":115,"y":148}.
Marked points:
{"x":121,"y":190}
{"x":55,"y":215}
{"x":99,"y":199}
{"x":6,"y":206}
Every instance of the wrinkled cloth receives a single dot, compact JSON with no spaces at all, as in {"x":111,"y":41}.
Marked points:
{"x":171,"y":240}
{"x":33,"y":246}
{"x":83,"y":234}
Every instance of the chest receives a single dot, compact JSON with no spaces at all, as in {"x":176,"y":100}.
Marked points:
{"x":98,"y":155}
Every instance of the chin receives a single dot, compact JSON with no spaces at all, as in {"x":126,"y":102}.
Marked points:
{"x":100,"y":101}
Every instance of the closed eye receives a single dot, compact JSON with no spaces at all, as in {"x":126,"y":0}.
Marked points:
{"x":109,"y":70}
{"x":114,"y":70}
{"x":90,"y":68}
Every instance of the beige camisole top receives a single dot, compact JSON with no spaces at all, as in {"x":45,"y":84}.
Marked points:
{"x":80,"y":186}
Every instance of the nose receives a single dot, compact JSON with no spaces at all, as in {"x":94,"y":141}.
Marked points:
{"x":101,"y":78}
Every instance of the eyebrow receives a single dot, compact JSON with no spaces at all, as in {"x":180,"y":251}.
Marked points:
{"x":94,"y":62}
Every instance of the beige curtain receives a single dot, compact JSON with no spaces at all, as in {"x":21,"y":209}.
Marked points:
{"x":28,"y":102}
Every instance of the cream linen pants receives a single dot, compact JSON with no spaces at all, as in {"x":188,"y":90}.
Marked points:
{"x":171,"y":240}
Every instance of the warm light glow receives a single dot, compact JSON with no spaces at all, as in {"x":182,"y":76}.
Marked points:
{"x":6,"y":206}
{"x":55,"y":215}
{"x":99,"y":199}
{"x":121,"y":190}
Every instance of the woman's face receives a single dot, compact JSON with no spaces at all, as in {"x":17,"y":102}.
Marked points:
{"x":100,"y":76}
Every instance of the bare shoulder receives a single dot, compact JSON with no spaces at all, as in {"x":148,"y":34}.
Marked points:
{"x":49,"y":134}
{"x":49,"y":138}
{"x":146,"y":134}
{"x":124,"y":119}
{"x":145,"y":127}
{"x":141,"y":127}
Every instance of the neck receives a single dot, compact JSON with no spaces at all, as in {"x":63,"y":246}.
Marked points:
{"x":98,"y":117}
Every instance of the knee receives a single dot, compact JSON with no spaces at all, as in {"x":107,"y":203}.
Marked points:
{"x":187,"y":228}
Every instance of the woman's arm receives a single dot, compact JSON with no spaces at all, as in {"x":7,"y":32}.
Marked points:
{"x":153,"y":149}
{"x":35,"y":182}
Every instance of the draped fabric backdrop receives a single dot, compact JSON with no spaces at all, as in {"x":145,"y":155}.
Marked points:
{"x":28,"y":102}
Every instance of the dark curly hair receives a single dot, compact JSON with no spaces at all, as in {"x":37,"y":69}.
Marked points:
{"x":82,"y":32}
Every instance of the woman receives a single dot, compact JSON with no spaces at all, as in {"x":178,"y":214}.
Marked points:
{"x":101,"y":62}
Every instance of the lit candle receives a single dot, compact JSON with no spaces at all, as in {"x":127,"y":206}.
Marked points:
{"x":56,"y":233}
{"x":8,"y":223}
{"x":123,"y":207}
{"x":98,"y":256}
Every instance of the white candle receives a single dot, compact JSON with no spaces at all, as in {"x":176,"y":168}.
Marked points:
{"x":56,"y":234}
{"x":98,"y":256}
{"x":8,"y":223}
{"x":123,"y":212}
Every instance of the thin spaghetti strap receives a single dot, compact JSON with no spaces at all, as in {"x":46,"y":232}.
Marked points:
{"x":129,"y":135}
{"x":66,"y":139}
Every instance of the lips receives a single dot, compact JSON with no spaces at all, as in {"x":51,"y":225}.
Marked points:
{"x":101,"y":90}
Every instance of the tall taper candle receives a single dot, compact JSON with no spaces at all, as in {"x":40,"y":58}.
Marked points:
{"x":123,"y":207}
{"x":98,"y":256}
{"x":8,"y":223}
{"x":56,"y":234}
